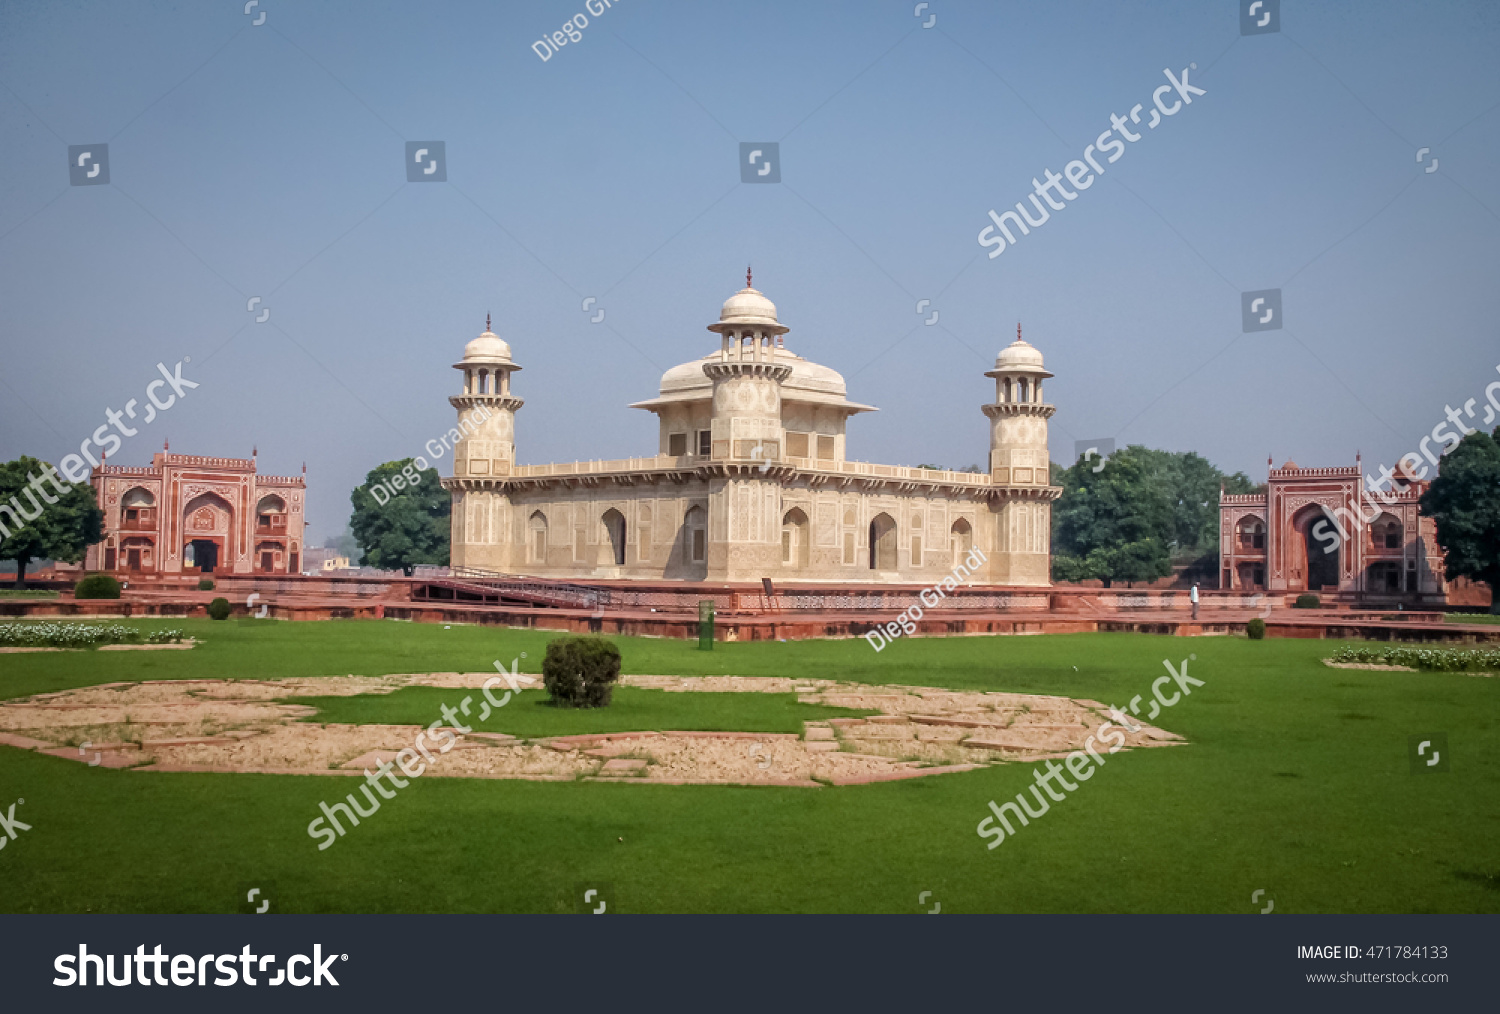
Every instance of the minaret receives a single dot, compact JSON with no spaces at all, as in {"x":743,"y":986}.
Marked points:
{"x":484,"y":454}
{"x":1020,"y":467}
{"x":745,"y":495}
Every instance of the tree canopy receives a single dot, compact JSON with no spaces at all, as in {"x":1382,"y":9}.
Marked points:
{"x":64,"y":528}
{"x":401,"y":517}
{"x":1140,"y":511}
{"x":1464,"y":500}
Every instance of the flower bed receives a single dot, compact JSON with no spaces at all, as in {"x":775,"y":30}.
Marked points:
{"x":1431,"y":659}
{"x":80,"y":635}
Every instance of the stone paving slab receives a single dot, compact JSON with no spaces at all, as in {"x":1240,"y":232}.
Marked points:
{"x":922,"y":730}
{"x":624,"y":766}
{"x":151,"y":744}
{"x":105,"y":758}
{"x":896,"y":776}
{"x":22,"y":742}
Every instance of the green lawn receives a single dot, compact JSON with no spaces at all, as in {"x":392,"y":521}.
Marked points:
{"x":531,"y":715}
{"x":1296,"y":780}
{"x":1471,"y":618}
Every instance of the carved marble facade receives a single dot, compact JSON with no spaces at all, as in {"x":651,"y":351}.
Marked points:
{"x":750,"y":479}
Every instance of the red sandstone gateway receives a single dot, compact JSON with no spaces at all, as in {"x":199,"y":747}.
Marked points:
{"x":1317,"y":530}
{"x":187,"y":513}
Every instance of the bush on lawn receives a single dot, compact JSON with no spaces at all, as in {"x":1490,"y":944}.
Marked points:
{"x":580,"y":672}
{"x":97,"y":586}
{"x":205,"y":584}
{"x":218,"y":609}
{"x":1256,"y":629}
{"x":1307,"y":602}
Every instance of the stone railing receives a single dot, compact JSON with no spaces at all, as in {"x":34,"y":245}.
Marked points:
{"x":597,"y":466}
{"x":200,"y":461}
{"x":919,"y":474}
{"x":1340,"y":472}
{"x":668,"y":461}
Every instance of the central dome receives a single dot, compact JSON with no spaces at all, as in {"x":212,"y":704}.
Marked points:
{"x":748,"y":306}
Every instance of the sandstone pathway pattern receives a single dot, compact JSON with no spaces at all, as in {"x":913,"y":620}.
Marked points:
{"x":240,"y":726}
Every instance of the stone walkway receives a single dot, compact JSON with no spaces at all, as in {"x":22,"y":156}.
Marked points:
{"x":238,"y":726}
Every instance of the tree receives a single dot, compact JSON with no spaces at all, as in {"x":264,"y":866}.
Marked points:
{"x":1191,"y":485}
{"x":48,"y":519}
{"x":1464,"y":500}
{"x":401,"y":517}
{"x":1110,"y":524}
{"x":1140,"y":511}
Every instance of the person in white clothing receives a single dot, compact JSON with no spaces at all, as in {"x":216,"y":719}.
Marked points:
{"x":1193,"y":598}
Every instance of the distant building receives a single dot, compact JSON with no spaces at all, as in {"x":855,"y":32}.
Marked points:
{"x":750,"y":478}
{"x":1321,"y":530}
{"x":323,"y":559}
{"x":186,"y":513}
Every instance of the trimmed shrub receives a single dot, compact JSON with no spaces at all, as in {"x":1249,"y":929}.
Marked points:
{"x":1256,"y":629}
{"x":97,"y":586}
{"x":218,"y":609}
{"x":580,"y":672}
{"x":1307,"y":602}
{"x":205,"y":584}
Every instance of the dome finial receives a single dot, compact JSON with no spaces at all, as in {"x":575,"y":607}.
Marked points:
{"x":1018,"y":330}
{"x":747,"y":277}
{"x":486,"y":322}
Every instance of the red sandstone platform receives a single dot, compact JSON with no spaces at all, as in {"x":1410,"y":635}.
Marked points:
{"x":745,"y":613}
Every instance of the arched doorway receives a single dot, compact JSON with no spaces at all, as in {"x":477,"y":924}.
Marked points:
{"x":695,"y":535}
{"x":1314,"y":563}
{"x":1252,"y":533}
{"x":883,"y":543}
{"x":1252,"y":576}
{"x":613,"y":544}
{"x":794,"y":548}
{"x":268,"y":557}
{"x":538,"y":540}
{"x":1384,"y":577}
{"x":960,"y":541}
{"x":1386,"y":533}
{"x":207,"y":521}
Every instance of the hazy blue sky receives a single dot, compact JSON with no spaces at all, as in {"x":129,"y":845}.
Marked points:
{"x":269,"y":161}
